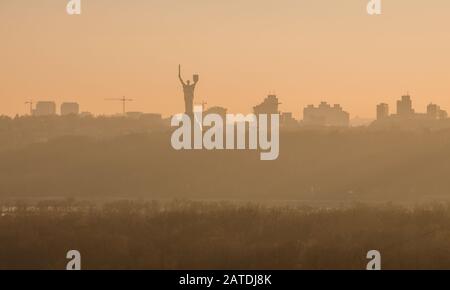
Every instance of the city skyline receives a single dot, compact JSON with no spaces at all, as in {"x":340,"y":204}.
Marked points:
{"x":324,"y":115}
{"x":304,"y":51}
{"x":30,"y":106}
{"x":255,"y":135}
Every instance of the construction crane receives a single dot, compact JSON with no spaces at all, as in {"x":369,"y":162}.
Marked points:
{"x":123,"y":100}
{"x":30,"y":102}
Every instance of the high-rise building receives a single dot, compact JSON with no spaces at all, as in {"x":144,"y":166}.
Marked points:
{"x":408,"y":118}
{"x":45,"y":109}
{"x":326,"y":115}
{"x":433,"y":111}
{"x":287,"y":120}
{"x":268,"y":106}
{"x":70,"y":109}
{"x":404,"y":106}
{"x":382,"y":111}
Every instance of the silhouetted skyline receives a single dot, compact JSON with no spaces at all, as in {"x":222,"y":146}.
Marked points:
{"x":202,"y":134}
{"x":322,"y":115}
{"x":305,"y":51}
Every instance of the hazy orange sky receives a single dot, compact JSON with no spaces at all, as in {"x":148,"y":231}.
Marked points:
{"x":304,"y":50}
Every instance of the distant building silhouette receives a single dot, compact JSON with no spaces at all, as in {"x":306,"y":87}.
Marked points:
{"x":407,"y":118}
{"x":404,"y":106}
{"x":70,"y":109}
{"x":435,"y":112}
{"x":382,"y":111}
{"x":45,"y":109}
{"x":405,"y":110}
{"x":288,"y":121}
{"x":326,"y":115}
{"x":268,"y":106}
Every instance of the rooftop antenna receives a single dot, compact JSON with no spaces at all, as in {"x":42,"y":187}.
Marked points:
{"x":123,"y":100}
{"x":30,"y":102}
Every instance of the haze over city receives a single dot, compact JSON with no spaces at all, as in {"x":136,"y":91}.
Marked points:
{"x":304,"y":51}
{"x":235,"y":134}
